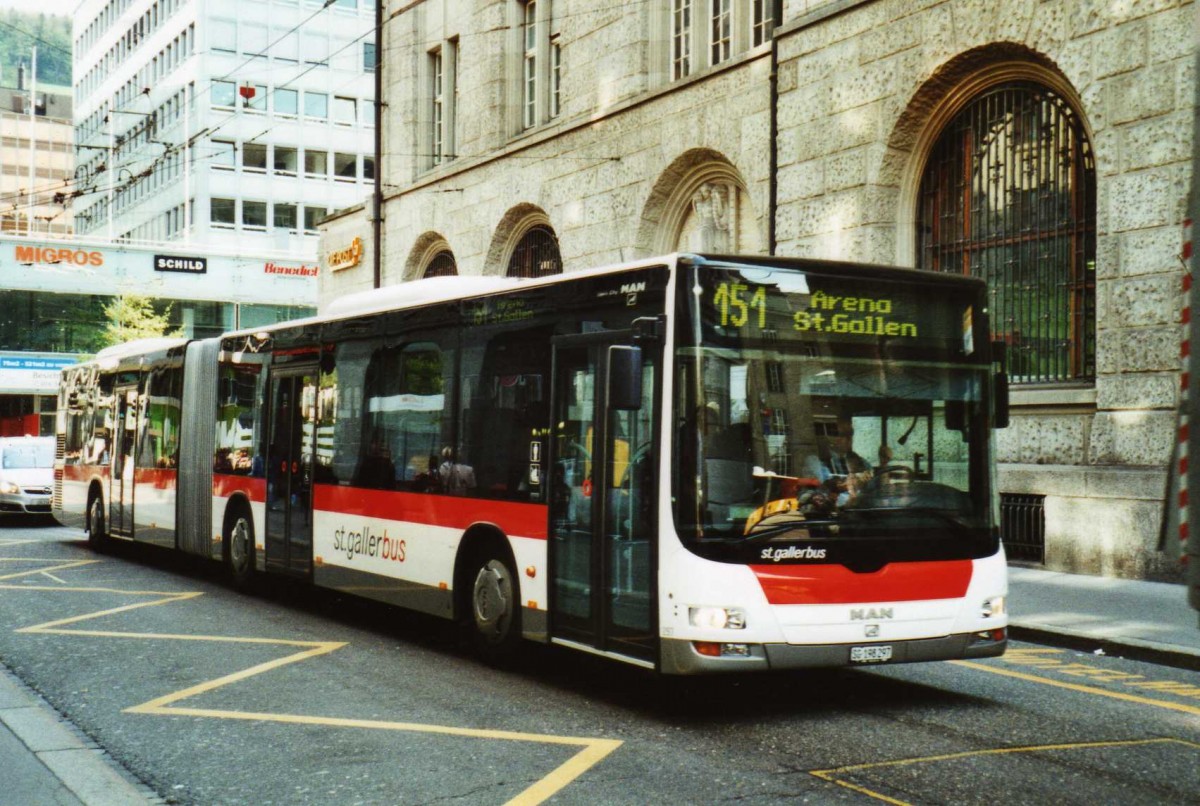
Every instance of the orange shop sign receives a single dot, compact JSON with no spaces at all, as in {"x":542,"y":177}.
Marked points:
{"x":348,"y":257}
{"x":58,"y":255}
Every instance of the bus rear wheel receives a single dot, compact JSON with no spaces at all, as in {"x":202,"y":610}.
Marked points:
{"x":239,"y":540}
{"x":495,"y":611}
{"x":97,"y":537}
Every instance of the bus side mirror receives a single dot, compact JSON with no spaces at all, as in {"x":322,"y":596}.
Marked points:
{"x":1000,"y":385}
{"x":956,"y":415}
{"x":624,"y":377}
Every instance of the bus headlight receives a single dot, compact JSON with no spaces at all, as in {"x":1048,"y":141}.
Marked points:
{"x":993,"y":607}
{"x":9,"y":488}
{"x":717,"y":618}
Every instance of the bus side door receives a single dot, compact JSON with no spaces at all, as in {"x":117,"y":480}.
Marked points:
{"x":601,"y":506}
{"x":120,"y":497}
{"x":290,"y":465}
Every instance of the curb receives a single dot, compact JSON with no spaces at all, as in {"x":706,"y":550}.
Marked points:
{"x":1131,"y":648}
{"x":80,"y":765}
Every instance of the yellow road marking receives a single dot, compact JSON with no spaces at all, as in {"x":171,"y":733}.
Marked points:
{"x":591,"y":752}
{"x":1116,"y":695}
{"x":830,"y":775}
{"x":56,"y":565}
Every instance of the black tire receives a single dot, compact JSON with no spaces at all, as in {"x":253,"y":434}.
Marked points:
{"x":493,"y":612}
{"x":96,"y":528}
{"x":239,"y":548}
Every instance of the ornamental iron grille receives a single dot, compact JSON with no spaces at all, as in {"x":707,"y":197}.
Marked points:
{"x":442,"y":265}
{"x":1009,"y":195}
{"x":1023,"y":527}
{"x":536,"y":254}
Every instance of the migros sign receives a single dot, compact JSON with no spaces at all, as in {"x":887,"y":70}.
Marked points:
{"x":58,"y":255}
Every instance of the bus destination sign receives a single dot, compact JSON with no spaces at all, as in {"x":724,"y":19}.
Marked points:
{"x":809,"y":306}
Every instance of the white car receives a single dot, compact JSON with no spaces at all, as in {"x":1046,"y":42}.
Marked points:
{"x":26,"y":475}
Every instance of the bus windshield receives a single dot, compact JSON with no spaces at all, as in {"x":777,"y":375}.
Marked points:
{"x":830,"y":419}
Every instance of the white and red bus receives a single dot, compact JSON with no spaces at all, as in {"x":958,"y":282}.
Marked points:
{"x":692,"y":463}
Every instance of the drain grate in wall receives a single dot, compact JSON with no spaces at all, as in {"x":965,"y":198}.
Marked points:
{"x":1023,"y":526}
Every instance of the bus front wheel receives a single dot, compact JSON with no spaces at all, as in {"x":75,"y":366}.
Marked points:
{"x":239,"y":538}
{"x":495,"y":609}
{"x":97,"y":537}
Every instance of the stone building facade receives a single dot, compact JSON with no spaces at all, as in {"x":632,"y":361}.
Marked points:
{"x":1044,"y":144}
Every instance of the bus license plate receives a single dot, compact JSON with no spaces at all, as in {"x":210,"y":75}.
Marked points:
{"x":870,"y":654}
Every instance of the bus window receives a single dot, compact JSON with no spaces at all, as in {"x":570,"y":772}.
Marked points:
{"x":239,"y":426}
{"x":506,"y":399}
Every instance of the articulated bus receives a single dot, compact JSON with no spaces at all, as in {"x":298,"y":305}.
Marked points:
{"x":692,"y":464}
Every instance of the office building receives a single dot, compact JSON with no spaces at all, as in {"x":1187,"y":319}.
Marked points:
{"x":221,"y":121}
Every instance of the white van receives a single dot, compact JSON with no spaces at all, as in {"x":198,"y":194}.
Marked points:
{"x":26,"y":475}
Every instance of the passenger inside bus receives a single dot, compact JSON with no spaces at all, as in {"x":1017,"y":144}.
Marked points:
{"x":456,"y":478}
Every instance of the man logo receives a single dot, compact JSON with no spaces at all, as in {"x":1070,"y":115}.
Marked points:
{"x":871,"y":613}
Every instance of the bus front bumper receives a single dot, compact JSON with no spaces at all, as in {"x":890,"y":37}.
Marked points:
{"x":683,"y":657}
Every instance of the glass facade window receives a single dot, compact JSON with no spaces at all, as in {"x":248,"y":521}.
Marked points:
{"x":223,"y":35}
{"x":223,"y":153}
{"x":224,"y":93}
{"x":316,"y":105}
{"x":286,"y":102}
{"x":254,"y":40}
{"x":223,"y":212}
{"x":368,"y":167}
{"x":316,"y":163}
{"x":369,"y":61}
{"x":254,"y":157}
{"x":38,"y":321}
{"x":312,"y":215}
{"x":345,"y":110}
{"x":345,"y":166}
{"x":285,"y":217}
{"x":285,"y":160}
{"x":254,"y":215}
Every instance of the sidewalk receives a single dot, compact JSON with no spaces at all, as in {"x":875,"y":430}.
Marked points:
{"x":1143,"y":620}
{"x":47,"y":763}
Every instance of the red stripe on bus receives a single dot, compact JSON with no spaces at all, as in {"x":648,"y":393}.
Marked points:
{"x":157,"y":477}
{"x":513,"y":518}
{"x":836,"y":584}
{"x":226,"y":484}
{"x":81,"y":472}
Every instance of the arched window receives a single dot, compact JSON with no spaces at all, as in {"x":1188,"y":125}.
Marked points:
{"x":442,"y":265}
{"x":536,"y":254}
{"x":1009,"y":194}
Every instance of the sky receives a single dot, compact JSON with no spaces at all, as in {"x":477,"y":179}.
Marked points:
{"x":60,"y":7}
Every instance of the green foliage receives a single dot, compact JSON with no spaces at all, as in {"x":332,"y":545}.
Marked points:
{"x":132,"y":316}
{"x":20,"y":31}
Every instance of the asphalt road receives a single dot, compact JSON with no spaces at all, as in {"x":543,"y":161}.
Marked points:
{"x":296,"y":696}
